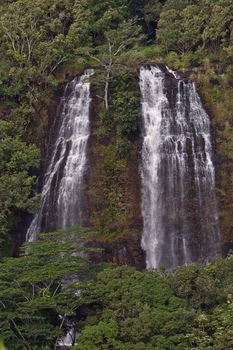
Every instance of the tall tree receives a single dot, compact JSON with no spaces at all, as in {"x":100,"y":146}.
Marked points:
{"x":109,"y":54}
{"x":179,"y":30}
{"x":17,"y":159}
{"x":110,"y":32}
{"x":35,"y":299}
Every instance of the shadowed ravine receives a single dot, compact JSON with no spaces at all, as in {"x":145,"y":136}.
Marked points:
{"x":178,"y":179}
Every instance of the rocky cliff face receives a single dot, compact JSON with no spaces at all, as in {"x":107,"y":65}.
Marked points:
{"x":113,"y":185}
{"x":218,"y":102}
{"x":113,"y":195}
{"x":178,"y":176}
{"x":120,"y":232}
{"x":121,"y":236}
{"x":224,"y":176}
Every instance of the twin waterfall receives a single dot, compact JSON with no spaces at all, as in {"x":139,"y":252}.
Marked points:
{"x":180,"y":221}
{"x":178,"y":182}
{"x":62,"y":195}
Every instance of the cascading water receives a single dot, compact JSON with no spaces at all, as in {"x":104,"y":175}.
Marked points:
{"x":180,"y":221}
{"x":61,"y":198}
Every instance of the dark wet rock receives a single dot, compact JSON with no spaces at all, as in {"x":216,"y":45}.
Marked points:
{"x":194,"y":64}
{"x":219,"y":68}
{"x":214,"y":81}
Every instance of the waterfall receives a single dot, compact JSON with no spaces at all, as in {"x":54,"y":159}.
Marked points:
{"x":180,"y":221}
{"x":61,"y":197}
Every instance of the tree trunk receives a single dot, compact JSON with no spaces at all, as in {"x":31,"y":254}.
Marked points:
{"x":107,"y":79}
{"x":107,"y":88}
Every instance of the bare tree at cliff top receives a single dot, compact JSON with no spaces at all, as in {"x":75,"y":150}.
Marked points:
{"x":109,"y":55}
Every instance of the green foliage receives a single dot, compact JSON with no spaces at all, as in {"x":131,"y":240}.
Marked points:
{"x":123,"y":114}
{"x":190,"y":308}
{"x":219,"y":100}
{"x":141,"y":54}
{"x":17,"y":159}
{"x":32,"y":289}
{"x":110,"y":174}
{"x":179,"y":30}
{"x":2,"y":347}
{"x":125,"y":101}
{"x":134,"y":310}
{"x":185,"y":25}
{"x":112,"y":34}
{"x":36,"y":42}
{"x":117,"y":130}
{"x":127,"y":310}
{"x":121,"y":308}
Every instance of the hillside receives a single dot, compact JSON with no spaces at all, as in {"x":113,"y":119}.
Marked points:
{"x":159,"y":204}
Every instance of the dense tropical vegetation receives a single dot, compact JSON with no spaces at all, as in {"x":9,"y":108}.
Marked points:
{"x":38,"y":294}
{"x":119,"y":308}
{"x":42,"y":44}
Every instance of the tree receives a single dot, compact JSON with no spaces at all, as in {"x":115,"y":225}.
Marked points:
{"x":27,"y":28}
{"x":133,"y":310}
{"x":2,"y":347}
{"x":110,"y":32}
{"x":217,"y":19}
{"x":35,"y":299}
{"x":179,"y":30}
{"x":168,"y":29}
{"x":147,"y":13}
{"x":17,"y":159}
{"x":108,"y":55}
{"x":34,"y":42}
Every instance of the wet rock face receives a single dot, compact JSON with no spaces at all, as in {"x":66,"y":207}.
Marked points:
{"x":224,"y":183}
{"x":126,"y":252}
{"x":123,"y":251}
{"x":178,"y":183}
{"x":220,"y":112}
{"x":43,"y":140}
{"x":118,"y":236}
{"x":62,"y":190}
{"x":126,"y":229}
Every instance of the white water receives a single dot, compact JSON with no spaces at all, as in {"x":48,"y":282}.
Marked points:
{"x":68,"y":340}
{"x":61,"y":197}
{"x":180,"y":221}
